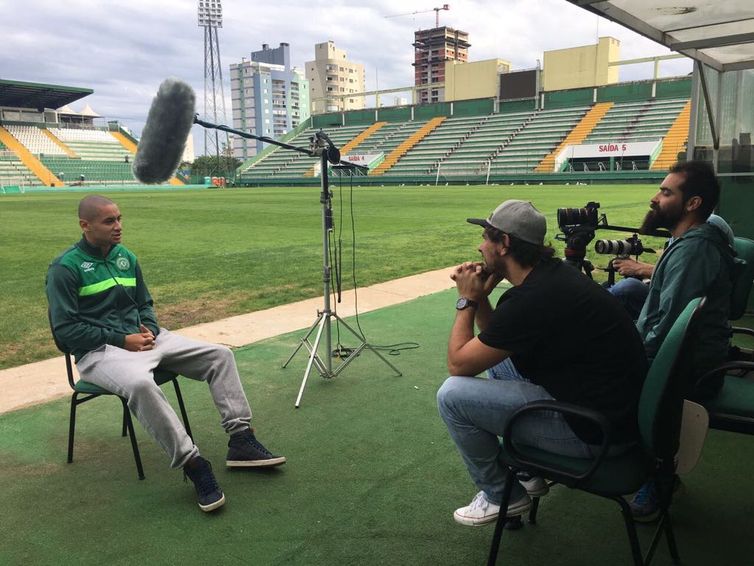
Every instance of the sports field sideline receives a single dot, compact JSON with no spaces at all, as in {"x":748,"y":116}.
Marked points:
{"x":211,"y":254}
{"x":43,"y":381}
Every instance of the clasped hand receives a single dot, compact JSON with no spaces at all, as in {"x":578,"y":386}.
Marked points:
{"x":140,"y":342}
{"x":473,"y":282}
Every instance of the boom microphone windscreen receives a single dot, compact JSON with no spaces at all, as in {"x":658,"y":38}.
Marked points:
{"x":164,"y":137}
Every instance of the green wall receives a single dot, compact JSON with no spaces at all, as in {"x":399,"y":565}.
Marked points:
{"x":424,"y":112}
{"x":478,"y":107}
{"x":394,"y":114}
{"x":625,"y":92}
{"x":359,"y":117}
{"x":517,"y":105}
{"x":327,"y":120}
{"x":677,"y":88}
{"x":573,"y":97}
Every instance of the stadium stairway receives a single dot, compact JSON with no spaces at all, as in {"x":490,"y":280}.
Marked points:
{"x":355,"y":142}
{"x":674,"y":141}
{"x":393,"y":157}
{"x":124,"y":141}
{"x":32,"y":163}
{"x":68,"y":151}
{"x":351,"y":145}
{"x":576,"y":136}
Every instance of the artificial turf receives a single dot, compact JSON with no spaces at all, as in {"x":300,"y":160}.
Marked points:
{"x":371,"y":478}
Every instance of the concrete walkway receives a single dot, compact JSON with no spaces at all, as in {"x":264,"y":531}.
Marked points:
{"x":44,"y":381}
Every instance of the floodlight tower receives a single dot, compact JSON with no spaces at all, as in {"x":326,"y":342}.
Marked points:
{"x":211,"y":19}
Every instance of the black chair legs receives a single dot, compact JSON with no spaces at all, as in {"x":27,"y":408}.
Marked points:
{"x":633,"y":539}
{"x":533,"y":512}
{"x":127,"y":427}
{"x":72,"y":426}
{"x":130,"y":426}
{"x":502,"y":518}
{"x":672,"y":546}
{"x":664,"y":527}
{"x":124,"y":428}
{"x":182,"y":407}
{"x":91,"y":391}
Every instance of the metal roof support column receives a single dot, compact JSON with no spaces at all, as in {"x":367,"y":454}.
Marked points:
{"x":708,"y":104}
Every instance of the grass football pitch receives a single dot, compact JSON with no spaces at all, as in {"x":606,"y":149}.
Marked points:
{"x":216,"y":253}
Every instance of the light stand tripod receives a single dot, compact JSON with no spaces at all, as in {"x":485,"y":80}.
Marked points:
{"x":325,"y":316}
{"x":326,"y":151}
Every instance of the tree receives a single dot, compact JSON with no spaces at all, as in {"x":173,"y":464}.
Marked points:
{"x":211,"y":166}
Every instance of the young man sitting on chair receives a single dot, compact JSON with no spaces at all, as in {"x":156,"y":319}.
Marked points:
{"x":556,"y":334}
{"x":101,"y":312}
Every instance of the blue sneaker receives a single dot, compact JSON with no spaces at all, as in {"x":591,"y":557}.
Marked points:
{"x":645,"y":507}
{"x":209,"y":496}
{"x":245,"y":451}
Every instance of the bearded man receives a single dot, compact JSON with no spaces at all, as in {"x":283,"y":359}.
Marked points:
{"x":698,"y":262}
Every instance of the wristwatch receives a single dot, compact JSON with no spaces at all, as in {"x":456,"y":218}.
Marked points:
{"x":464,"y":303}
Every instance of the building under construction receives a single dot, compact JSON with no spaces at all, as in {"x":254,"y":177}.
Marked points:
{"x":432,"y":48}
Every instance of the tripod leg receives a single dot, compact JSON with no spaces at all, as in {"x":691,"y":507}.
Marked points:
{"x":312,"y":356}
{"x":365,"y":345}
{"x":304,"y":339}
{"x":384,"y":359}
{"x":351,"y":357}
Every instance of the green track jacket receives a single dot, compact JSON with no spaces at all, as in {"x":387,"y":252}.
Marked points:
{"x":94,"y":300}
{"x":698,"y":264}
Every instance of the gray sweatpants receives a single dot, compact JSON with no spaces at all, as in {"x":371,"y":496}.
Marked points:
{"x":129,"y":374}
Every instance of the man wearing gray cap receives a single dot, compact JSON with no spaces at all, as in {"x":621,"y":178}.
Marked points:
{"x":555,"y":334}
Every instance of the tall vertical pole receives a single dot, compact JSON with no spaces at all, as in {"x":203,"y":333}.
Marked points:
{"x":327,"y":226}
{"x":210,"y":18}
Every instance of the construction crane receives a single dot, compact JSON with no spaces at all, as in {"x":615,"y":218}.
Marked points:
{"x":435,"y":10}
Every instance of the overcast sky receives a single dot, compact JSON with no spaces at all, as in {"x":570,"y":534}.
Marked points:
{"x":123,"y":49}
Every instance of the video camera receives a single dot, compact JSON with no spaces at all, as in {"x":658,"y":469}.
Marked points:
{"x":578,"y":227}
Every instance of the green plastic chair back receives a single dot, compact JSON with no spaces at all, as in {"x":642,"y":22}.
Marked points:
{"x":743,"y":282}
{"x":661,"y":397}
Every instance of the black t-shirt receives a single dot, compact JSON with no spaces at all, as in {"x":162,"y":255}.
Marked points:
{"x":569,"y":335}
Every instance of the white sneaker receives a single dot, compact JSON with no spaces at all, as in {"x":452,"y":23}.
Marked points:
{"x":481,"y":511}
{"x":535,"y":486}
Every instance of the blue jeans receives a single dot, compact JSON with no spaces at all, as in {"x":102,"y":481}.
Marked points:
{"x":632,"y":293}
{"x":476,"y":411}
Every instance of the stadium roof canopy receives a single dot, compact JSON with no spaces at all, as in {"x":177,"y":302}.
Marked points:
{"x":719,"y":33}
{"x":36,"y":95}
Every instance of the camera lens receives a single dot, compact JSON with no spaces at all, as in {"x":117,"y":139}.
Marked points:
{"x":617,"y":247}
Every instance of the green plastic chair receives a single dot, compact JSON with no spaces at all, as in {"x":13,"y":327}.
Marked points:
{"x":732,"y":409}
{"x":616,"y":476}
{"x":739,"y":299}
